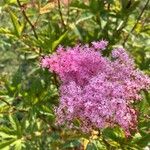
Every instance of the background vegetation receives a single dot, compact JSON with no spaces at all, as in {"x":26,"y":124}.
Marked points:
{"x":30,"y":29}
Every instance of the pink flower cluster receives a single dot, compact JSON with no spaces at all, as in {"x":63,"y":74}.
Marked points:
{"x":96,"y":91}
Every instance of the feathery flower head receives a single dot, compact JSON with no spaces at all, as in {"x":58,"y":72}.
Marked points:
{"x":96,"y":91}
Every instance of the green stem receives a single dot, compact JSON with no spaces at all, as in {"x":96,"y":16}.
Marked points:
{"x":60,"y":13}
{"x":138,"y":19}
{"x":27,"y":19}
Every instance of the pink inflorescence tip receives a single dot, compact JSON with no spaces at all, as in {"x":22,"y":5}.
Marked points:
{"x":95,"y":90}
{"x":100,"y":44}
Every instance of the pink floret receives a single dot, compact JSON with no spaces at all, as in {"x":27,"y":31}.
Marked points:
{"x":95,"y":90}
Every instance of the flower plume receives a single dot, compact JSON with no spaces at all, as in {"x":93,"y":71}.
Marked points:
{"x":95,"y":90}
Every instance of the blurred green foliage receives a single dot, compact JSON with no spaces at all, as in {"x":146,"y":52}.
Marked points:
{"x":30,"y":29}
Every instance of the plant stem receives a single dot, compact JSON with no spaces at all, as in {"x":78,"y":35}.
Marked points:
{"x":138,"y":19}
{"x":27,"y":19}
{"x":56,"y":81}
{"x":60,"y":13}
{"x":68,"y":12}
{"x":1,"y":99}
{"x":13,"y":108}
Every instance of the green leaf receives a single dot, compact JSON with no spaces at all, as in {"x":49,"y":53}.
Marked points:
{"x":4,"y":135}
{"x":114,"y":136}
{"x":124,"y":3}
{"x":144,"y":141}
{"x":18,"y":27}
{"x":6,"y":143}
{"x":18,"y":144}
{"x":147,"y":96}
{"x":129,"y":5}
{"x":13,"y":122}
{"x":84,"y":18}
{"x":7,"y":130}
{"x":78,"y":5}
{"x":96,"y":6}
{"x":134,"y":5}
{"x":76,"y":31}
{"x":8,"y":2}
{"x":16,"y":125}
{"x":11,"y":1}
{"x":99,"y":145}
{"x":58,"y":41}
{"x":91,"y":146}
{"x":71,"y":144}
{"x":6,"y":31}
